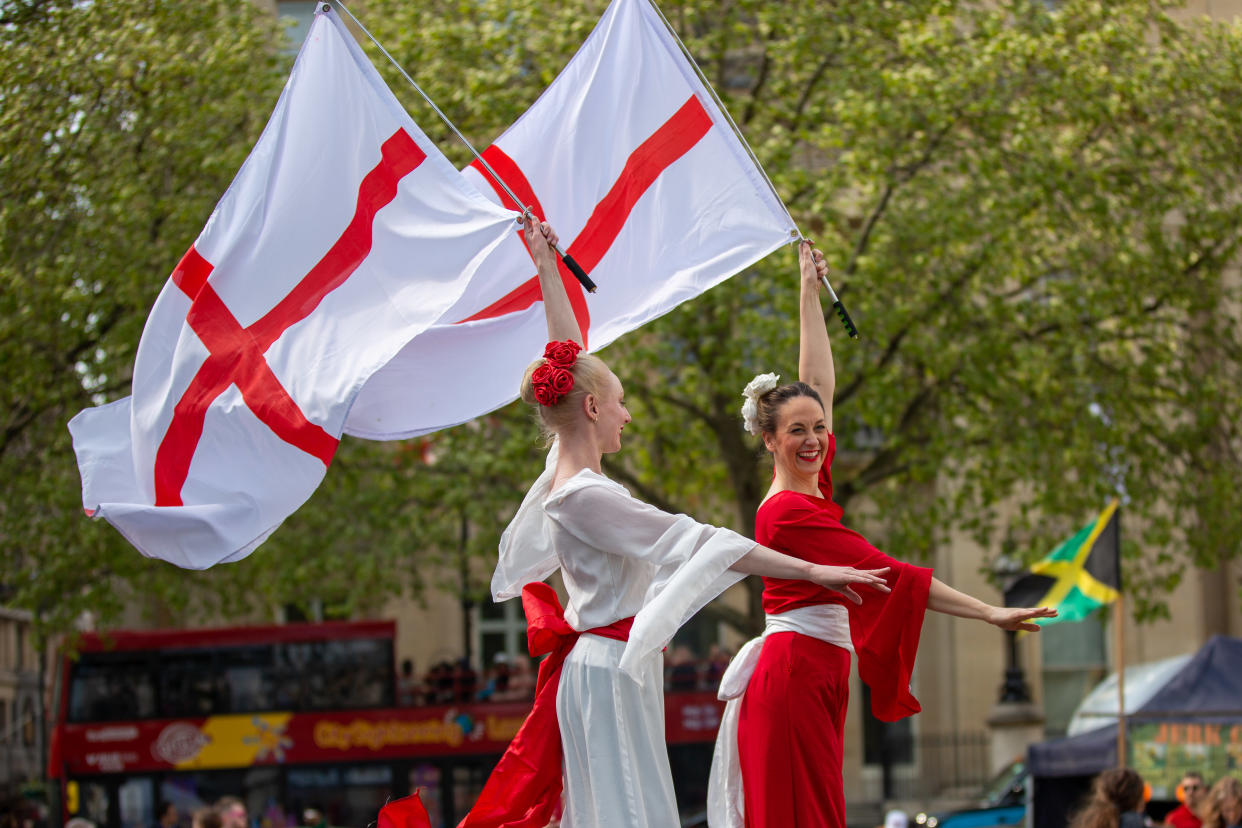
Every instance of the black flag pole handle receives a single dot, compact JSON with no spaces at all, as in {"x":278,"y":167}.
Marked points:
{"x":842,"y":313}
{"x":576,"y":269}
{"x":837,"y":304}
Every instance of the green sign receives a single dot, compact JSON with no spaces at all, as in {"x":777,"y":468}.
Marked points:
{"x":1162,"y":751}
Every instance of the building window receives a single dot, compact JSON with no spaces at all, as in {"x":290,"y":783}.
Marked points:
{"x":885,"y":743}
{"x":28,"y":724}
{"x":499,"y":628}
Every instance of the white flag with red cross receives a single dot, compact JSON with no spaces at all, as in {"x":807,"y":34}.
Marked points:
{"x":649,"y":188}
{"x":345,"y":235}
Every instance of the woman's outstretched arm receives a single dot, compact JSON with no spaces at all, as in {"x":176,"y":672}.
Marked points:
{"x":815,"y":366}
{"x":772,"y":564}
{"x":946,"y":599}
{"x":562,"y":324}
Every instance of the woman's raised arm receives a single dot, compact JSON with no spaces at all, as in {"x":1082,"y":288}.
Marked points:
{"x":562,"y":324}
{"x":815,"y":366}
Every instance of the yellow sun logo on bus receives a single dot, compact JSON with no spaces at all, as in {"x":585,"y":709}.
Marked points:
{"x":270,"y":739}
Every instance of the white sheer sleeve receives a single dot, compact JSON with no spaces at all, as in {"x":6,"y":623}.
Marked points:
{"x":603,"y":514}
{"x":526,"y":552}
{"x":692,"y":559}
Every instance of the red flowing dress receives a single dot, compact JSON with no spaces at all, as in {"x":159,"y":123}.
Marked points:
{"x":793,"y":713}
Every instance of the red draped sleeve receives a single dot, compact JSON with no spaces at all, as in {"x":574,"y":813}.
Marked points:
{"x":885,"y":629}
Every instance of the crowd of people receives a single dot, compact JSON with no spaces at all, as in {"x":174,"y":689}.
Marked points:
{"x":1119,"y":797}
{"x":508,"y":678}
{"x":512,"y":678}
{"x":225,"y":812}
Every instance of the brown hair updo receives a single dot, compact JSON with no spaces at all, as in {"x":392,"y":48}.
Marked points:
{"x":1113,"y":793}
{"x":770,"y":404}
{"x":590,"y":374}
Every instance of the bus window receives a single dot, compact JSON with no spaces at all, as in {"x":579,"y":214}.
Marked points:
{"x":189,"y":685}
{"x":111,"y":687}
{"x":425,"y":778}
{"x":94,"y":801}
{"x":136,"y":798}
{"x":335,"y":675}
{"x":347,"y":795}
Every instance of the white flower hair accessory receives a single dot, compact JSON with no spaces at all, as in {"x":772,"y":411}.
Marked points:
{"x":756,"y":388}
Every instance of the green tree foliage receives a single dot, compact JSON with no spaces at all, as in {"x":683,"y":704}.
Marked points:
{"x":1030,"y":214}
{"x":121,"y":124}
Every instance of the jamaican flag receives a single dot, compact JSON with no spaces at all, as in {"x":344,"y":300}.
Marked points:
{"x":1080,"y":575}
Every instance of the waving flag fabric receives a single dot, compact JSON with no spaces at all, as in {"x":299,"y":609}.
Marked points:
{"x":630,"y":159}
{"x":1078,"y":577}
{"x":344,"y":235}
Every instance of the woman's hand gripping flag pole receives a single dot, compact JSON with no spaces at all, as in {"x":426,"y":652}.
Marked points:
{"x":837,"y":305}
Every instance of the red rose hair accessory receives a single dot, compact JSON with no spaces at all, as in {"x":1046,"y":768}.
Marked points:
{"x":553,"y":380}
{"x":562,"y":354}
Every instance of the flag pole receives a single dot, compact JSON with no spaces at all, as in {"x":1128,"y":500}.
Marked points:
{"x":1119,"y":623}
{"x":573,"y":266}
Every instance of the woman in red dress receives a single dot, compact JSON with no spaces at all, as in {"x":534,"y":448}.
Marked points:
{"x":791,"y":713}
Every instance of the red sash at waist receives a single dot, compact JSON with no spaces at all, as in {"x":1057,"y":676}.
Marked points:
{"x":525,"y":787}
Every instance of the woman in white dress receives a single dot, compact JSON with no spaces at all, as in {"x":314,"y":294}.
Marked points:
{"x":623,"y":562}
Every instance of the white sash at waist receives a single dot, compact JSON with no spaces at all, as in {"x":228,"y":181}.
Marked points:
{"x":725,"y":799}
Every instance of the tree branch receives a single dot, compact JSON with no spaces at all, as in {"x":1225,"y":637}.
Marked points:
{"x":809,"y":88}
{"x":765,"y":65}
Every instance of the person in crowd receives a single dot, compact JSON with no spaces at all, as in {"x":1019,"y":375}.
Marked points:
{"x":408,"y":690}
{"x":206,"y":818}
{"x":440,"y":683}
{"x":465,"y":681}
{"x":717,"y":662}
{"x":497,"y":682}
{"x":314,"y":817}
{"x":1222,"y":807}
{"x":521,"y":683}
{"x":1116,"y":801}
{"x":633,"y":575}
{"x":166,"y":814}
{"x":232,"y":811}
{"x":683,"y":672}
{"x":1191,"y":792}
{"x":779,"y":749}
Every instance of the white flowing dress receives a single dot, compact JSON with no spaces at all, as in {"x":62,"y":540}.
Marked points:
{"x":619,"y":557}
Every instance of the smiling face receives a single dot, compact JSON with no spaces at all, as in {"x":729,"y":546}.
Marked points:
{"x":799,"y":442}
{"x":609,"y":414}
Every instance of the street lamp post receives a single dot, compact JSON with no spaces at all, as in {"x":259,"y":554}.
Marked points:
{"x":1015,"y":720}
{"x":1014,"y":688}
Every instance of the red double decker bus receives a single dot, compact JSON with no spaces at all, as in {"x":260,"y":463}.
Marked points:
{"x":288,"y":718}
